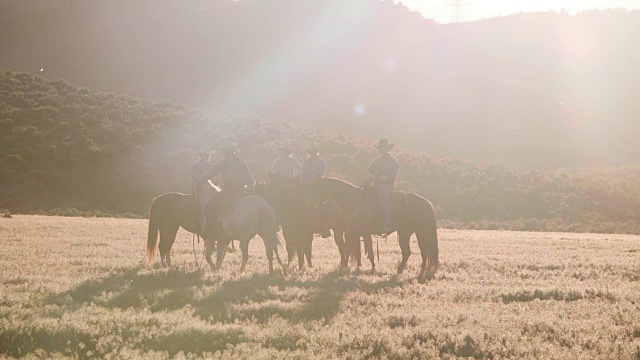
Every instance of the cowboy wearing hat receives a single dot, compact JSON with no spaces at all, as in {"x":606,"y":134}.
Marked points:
{"x":384,"y":169}
{"x":236,"y":181}
{"x":286,"y":165}
{"x":313,"y":167}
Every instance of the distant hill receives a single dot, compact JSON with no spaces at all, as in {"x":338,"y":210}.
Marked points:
{"x":538,"y":90}
{"x":89,"y":152}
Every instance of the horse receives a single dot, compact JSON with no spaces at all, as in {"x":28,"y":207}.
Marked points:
{"x":296,"y":237}
{"x":167,"y":213}
{"x":248,"y":216}
{"x":299,"y":221}
{"x":412,"y":214}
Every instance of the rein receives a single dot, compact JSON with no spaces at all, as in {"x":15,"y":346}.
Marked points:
{"x":195,"y":256}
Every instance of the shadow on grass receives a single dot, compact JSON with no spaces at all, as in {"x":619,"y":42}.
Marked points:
{"x":78,"y":341}
{"x":197,"y":341}
{"x":129,"y":288}
{"x":239,"y":299}
{"x":323,"y":302}
{"x":557,"y":295}
{"x":20,"y":341}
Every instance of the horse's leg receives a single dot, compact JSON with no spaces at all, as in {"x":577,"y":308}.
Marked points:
{"x":353,"y":245}
{"x":338,"y":236}
{"x":271,"y":241}
{"x":244,"y":247}
{"x":307,"y":243}
{"x":167,"y":237}
{"x":368,"y":246}
{"x":288,"y":241}
{"x":210,"y":246}
{"x":358,"y":249}
{"x":300,"y":254}
{"x":403,"y":238}
{"x":221,"y":250}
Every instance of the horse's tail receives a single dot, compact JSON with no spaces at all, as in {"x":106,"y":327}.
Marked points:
{"x":152,"y":235}
{"x":433,"y":260}
{"x":428,"y":235}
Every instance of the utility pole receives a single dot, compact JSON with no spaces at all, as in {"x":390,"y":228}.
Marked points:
{"x":457,"y":7}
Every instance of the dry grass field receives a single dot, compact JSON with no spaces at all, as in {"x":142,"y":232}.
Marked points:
{"x":79,"y":287}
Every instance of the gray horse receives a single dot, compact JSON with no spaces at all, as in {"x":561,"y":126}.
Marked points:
{"x":250,"y":215}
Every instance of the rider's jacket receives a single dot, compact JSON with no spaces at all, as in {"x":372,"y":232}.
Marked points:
{"x":286,"y":166}
{"x":384,"y":169}
{"x":312,"y":168}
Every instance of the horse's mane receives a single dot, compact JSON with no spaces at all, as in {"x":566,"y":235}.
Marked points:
{"x":332,"y":179}
{"x":339,"y":187}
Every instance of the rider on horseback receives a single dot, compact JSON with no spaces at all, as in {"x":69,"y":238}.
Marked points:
{"x":286,"y":165}
{"x":384,"y":169}
{"x":236,"y":181}
{"x":313,"y":167}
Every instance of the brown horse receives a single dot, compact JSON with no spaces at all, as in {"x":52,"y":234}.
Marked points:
{"x":167,"y":213}
{"x":300,"y":221}
{"x":412,"y":214}
{"x":295,"y":230}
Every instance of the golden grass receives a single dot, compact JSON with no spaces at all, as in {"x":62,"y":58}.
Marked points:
{"x":80,"y":287}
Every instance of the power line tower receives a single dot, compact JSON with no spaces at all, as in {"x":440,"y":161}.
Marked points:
{"x":457,"y":7}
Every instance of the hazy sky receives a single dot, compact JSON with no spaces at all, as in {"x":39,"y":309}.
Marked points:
{"x":480,"y":9}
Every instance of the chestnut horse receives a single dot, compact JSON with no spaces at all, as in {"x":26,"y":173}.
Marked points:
{"x":168,"y":213}
{"x":412,"y":214}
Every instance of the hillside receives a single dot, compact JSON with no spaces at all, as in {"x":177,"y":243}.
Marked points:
{"x":63,"y":146}
{"x":530,"y":91}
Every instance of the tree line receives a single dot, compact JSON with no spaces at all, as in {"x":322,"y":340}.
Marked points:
{"x":68,"y":150}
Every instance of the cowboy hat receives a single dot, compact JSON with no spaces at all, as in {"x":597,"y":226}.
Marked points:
{"x":384,"y":145}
